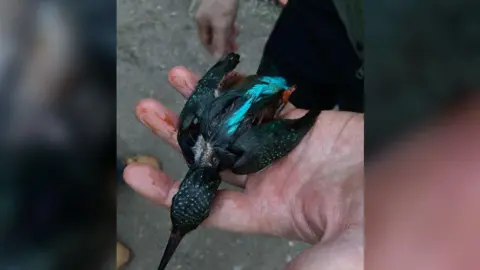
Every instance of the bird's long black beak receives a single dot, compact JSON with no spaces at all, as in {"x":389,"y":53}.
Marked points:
{"x":173,"y":242}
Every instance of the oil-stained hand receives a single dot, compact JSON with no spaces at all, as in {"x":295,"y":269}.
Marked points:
{"x":315,"y":194}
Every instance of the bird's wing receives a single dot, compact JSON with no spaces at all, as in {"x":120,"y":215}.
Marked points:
{"x":201,"y":98}
{"x":260,"y":146}
{"x":203,"y":95}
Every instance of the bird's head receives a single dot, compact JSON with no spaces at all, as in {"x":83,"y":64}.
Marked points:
{"x":190,"y":206}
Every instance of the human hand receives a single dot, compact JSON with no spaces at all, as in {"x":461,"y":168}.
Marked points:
{"x":216,"y":25}
{"x":315,"y":194}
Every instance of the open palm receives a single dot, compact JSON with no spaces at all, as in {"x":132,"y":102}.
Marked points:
{"x":314,"y":194}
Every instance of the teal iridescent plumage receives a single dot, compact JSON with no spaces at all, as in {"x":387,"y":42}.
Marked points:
{"x":229,"y":122}
{"x":202,"y":98}
{"x":269,"y":87}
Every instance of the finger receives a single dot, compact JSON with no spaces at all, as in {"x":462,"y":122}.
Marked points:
{"x":161,"y":120}
{"x":283,"y":3}
{"x":151,"y":183}
{"x":183,"y":80}
{"x":235,"y":31}
{"x":220,"y":40}
{"x":204,"y":30}
{"x":233,"y":46}
{"x":230,"y":210}
{"x":289,"y":107}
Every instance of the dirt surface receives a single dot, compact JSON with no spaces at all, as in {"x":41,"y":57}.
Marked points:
{"x":154,"y":36}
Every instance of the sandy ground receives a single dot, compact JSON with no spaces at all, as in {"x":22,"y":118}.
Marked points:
{"x":154,"y":36}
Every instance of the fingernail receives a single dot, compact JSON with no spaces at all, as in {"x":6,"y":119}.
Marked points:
{"x":177,"y":81}
{"x":185,"y":84}
{"x":190,"y":84}
{"x":175,"y":76}
{"x":145,"y":121}
{"x":167,"y":121}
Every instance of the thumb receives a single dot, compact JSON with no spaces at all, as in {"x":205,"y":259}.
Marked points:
{"x":231,"y":210}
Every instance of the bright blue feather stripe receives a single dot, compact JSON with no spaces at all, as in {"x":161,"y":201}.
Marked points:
{"x":272,"y":86}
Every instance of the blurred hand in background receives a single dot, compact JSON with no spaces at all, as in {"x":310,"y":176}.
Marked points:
{"x":216,"y":25}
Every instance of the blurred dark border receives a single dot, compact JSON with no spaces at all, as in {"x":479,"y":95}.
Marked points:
{"x":58,"y":197}
{"x":422,"y":57}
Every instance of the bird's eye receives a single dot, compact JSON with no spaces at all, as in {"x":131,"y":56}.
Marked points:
{"x":195,"y":120}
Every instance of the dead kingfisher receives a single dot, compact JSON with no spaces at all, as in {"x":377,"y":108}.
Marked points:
{"x":229,"y":122}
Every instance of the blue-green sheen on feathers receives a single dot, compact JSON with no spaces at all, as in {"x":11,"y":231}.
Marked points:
{"x":272,"y":86}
